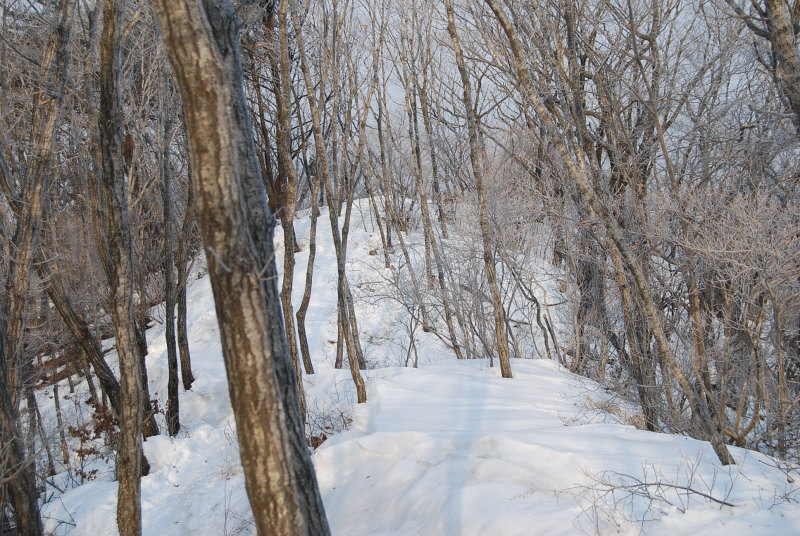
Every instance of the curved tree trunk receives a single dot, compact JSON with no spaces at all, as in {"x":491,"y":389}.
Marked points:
{"x":342,"y":291}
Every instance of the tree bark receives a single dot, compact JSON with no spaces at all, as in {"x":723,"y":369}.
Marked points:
{"x":202,"y":42}
{"x":115,"y":222}
{"x":782,"y":37}
{"x":46,"y":111}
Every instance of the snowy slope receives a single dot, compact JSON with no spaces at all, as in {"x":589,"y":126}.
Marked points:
{"x":449,"y":448}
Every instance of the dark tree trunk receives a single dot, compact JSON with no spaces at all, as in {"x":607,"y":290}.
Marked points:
{"x":173,"y":416}
{"x":187,"y":379}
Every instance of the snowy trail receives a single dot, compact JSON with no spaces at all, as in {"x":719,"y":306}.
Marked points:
{"x":442,"y":445}
{"x":452,"y":448}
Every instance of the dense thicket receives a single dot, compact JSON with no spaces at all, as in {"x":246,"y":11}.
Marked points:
{"x":612,"y":185}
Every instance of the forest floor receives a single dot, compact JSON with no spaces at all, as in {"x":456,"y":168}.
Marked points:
{"x":447,"y":448}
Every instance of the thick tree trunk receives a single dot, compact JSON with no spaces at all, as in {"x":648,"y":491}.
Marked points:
{"x":21,"y":488}
{"x":782,"y":37}
{"x":202,"y":41}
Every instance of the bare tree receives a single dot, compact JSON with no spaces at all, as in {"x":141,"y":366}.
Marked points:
{"x":347,"y":328}
{"x":28,"y":203}
{"x":579,"y":173}
{"x":477,"y":170}
{"x":202,"y":42}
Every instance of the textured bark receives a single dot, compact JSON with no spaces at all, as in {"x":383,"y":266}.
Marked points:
{"x":202,"y":41}
{"x":782,"y":36}
{"x":35,"y":185}
{"x":21,"y":485}
{"x":117,"y":237}
{"x":577,"y":172}
{"x":149,"y":425}
{"x":477,"y":171}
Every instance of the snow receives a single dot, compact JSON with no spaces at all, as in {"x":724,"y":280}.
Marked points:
{"x":444,"y":449}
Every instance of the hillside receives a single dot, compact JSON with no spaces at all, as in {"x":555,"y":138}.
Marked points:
{"x":446,"y":448}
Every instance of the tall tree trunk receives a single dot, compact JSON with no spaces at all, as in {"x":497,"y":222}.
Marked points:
{"x":173,"y":414}
{"x":187,"y":378}
{"x":312,"y":254}
{"x":477,"y":171}
{"x":782,"y":36}
{"x":117,"y":238}
{"x":202,"y":42}
{"x":149,"y":425}
{"x":287,"y":176}
{"x":342,"y":292}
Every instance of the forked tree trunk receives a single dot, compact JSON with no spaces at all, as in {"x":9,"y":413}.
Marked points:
{"x":202,"y":42}
{"x":287,"y":177}
{"x":342,"y":291}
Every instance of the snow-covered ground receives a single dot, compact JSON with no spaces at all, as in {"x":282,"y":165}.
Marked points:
{"x":448,"y":448}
